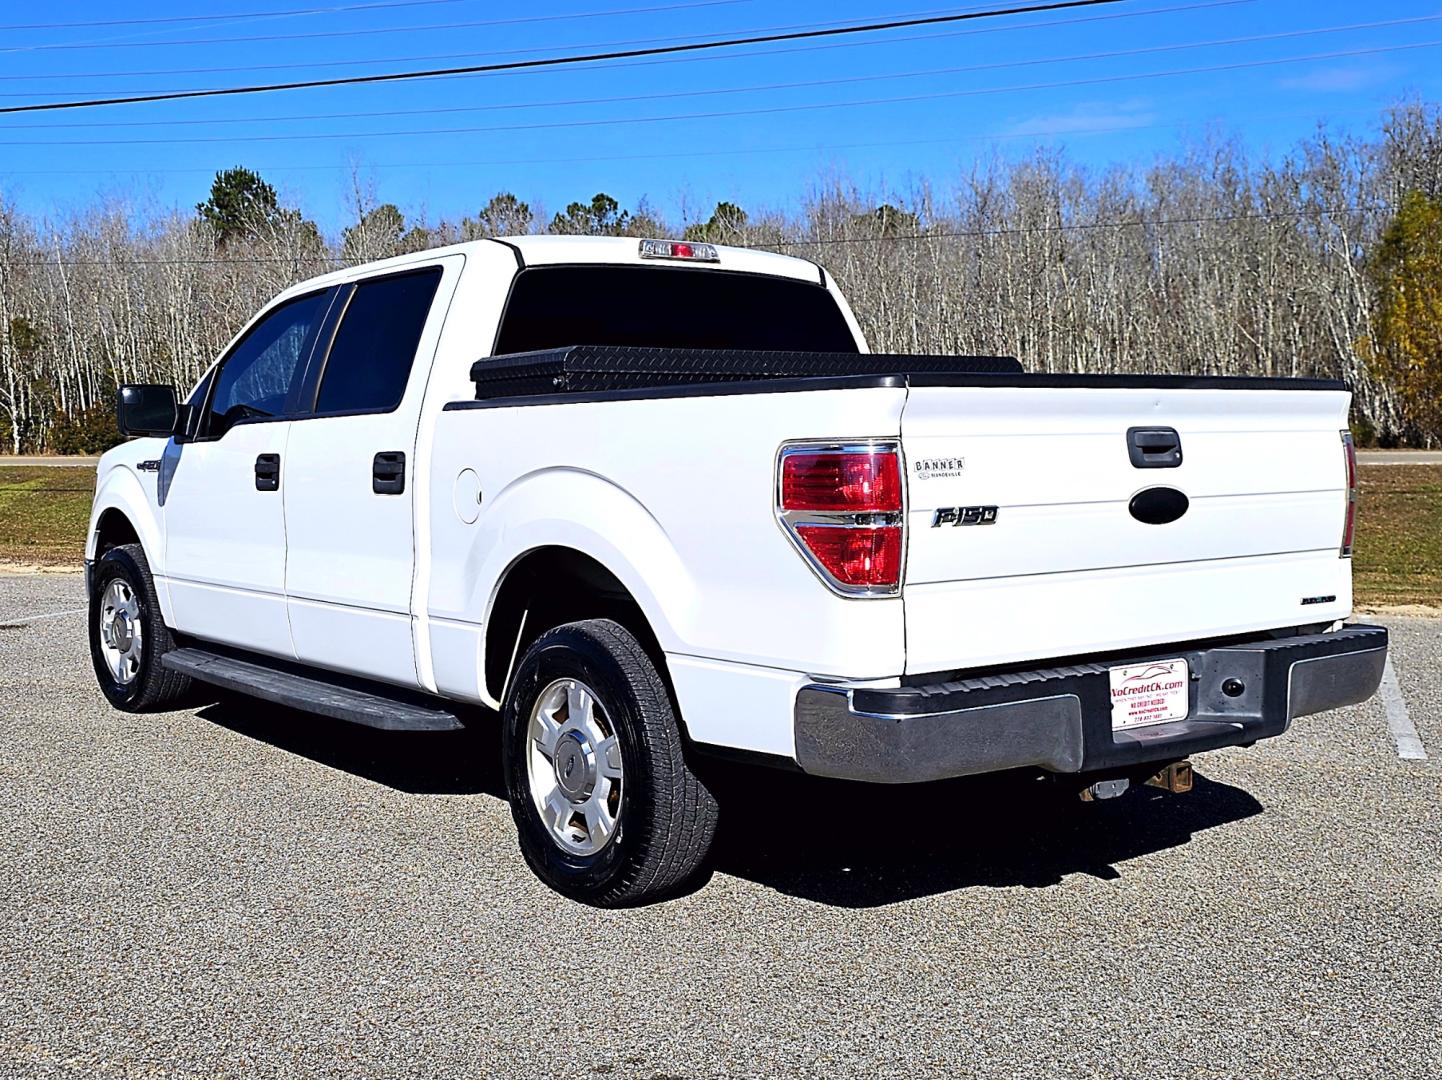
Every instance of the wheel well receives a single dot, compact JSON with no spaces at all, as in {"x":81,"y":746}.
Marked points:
{"x":551,"y":586}
{"x":112,"y":530}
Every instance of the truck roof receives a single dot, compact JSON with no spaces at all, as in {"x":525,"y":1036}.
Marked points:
{"x":570,"y":250}
{"x":624,"y":250}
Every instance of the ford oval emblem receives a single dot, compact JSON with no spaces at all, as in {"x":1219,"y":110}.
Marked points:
{"x":1158,"y":505}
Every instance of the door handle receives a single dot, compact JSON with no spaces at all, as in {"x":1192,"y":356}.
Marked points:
{"x":388,"y":473}
{"x":267,"y":472}
{"x":1154,"y":447}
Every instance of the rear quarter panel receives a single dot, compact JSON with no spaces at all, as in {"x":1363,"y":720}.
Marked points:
{"x":676,"y":497}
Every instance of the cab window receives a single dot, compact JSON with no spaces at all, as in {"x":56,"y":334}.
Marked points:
{"x":256,"y":377}
{"x":375,"y":347}
{"x":671,"y":308}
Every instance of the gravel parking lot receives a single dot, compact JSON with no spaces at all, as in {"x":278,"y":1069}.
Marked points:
{"x":246,"y":891}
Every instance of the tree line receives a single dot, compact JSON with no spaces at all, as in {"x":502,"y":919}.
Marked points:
{"x":1323,"y":261}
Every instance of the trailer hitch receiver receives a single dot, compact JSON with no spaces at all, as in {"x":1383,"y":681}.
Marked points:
{"x":1176,"y":778}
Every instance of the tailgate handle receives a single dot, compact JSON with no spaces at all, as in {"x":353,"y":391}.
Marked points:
{"x":1154,"y":447}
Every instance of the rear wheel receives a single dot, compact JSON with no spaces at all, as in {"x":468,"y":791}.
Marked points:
{"x":128,"y":636}
{"x":606,"y":807}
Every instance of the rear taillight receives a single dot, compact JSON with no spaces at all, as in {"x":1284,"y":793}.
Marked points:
{"x":869,"y":558}
{"x":841,"y":505}
{"x":1349,"y":523}
{"x":847,"y":481}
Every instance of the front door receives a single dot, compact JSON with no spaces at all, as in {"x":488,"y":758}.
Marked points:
{"x":223,"y":492}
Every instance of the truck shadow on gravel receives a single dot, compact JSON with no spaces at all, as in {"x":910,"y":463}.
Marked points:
{"x":465,"y":762}
{"x":832,"y":842}
{"x":856,"y":845}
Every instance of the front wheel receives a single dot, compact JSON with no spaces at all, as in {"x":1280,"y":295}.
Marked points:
{"x":128,"y":636}
{"x":606,"y":807}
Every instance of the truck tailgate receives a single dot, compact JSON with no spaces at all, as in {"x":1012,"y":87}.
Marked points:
{"x":1063,"y":567}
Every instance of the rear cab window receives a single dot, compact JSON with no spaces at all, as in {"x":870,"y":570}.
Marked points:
{"x":668,"y":307}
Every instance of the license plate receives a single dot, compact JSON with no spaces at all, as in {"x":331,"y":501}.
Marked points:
{"x":1150,"y":693}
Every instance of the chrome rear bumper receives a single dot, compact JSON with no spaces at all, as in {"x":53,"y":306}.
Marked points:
{"x":1059,"y":719}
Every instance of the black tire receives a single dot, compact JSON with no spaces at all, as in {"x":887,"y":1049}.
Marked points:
{"x":667,"y":817}
{"x":153,"y":688}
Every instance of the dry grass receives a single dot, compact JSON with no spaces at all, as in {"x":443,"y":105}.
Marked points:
{"x":44,"y":511}
{"x":1398,"y":557}
{"x":43,"y":514}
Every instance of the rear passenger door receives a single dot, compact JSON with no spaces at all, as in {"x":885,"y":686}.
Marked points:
{"x":351,"y":478}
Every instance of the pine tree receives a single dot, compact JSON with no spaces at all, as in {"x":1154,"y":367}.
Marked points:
{"x":1405,"y":351}
{"x":240,"y":204}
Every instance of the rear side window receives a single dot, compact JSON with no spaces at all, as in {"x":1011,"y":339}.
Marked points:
{"x":370,"y":360}
{"x":668,"y":307}
{"x":255,"y":379}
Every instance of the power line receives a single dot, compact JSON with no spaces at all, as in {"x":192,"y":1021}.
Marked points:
{"x":729,"y":113}
{"x":756,"y":88}
{"x":71,"y":46}
{"x":614,"y":157}
{"x":1079,"y":226}
{"x":236,"y":17}
{"x":148,"y":33}
{"x":970,"y":31}
{"x":298,"y":261}
{"x":423,"y":27}
{"x":1086,"y":226}
{"x":640,"y":156}
{"x":353,"y":80}
{"x":970,"y":137}
{"x":626,"y":43}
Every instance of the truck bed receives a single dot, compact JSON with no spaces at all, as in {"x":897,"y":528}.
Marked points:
{"x":1068,"y":561}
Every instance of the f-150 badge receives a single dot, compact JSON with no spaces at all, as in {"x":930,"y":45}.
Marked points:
{"x":963,"y":515}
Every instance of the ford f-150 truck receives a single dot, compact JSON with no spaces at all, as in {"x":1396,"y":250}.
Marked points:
{"x":652,"y":501}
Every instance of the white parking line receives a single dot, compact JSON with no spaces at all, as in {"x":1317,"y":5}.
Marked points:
{"x":1404,"y":733}
{"x":25,"y":620}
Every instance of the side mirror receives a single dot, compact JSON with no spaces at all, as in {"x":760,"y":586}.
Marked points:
{"x":146,"y":409}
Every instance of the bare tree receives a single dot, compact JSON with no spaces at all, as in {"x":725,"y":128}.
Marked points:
{"x":1214,"y":261}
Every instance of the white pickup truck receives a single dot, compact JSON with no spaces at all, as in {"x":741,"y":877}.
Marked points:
{"x":654,"y":501}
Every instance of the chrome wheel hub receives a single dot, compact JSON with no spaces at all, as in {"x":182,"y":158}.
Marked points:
{"x":575,"y":764}
{"x":121,"y":632}
{"x":573,"y":767}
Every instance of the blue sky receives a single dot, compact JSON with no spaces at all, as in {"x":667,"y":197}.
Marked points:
{"x":968,"y":91}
